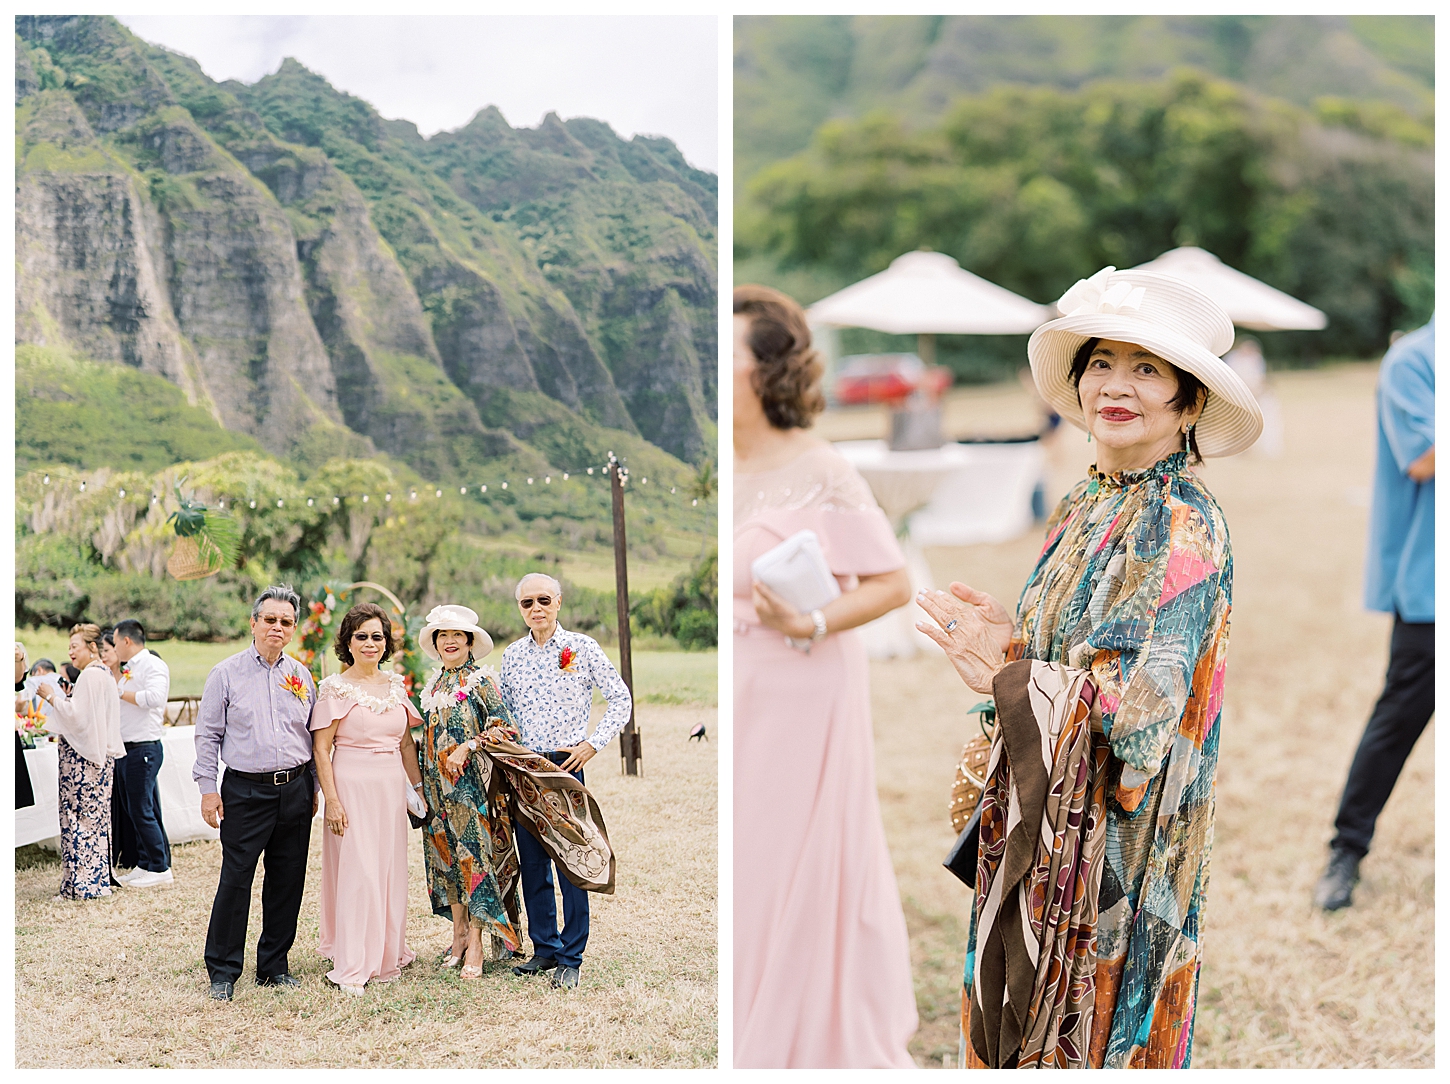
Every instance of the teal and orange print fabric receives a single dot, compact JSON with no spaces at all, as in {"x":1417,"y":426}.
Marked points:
{"x":1134,"y":585}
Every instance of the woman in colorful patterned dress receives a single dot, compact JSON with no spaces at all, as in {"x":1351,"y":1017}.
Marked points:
{"x":365,"y":757}
{"x":1108,"y":687}
{"x":89,"y":727}
{"x":473,"y":870}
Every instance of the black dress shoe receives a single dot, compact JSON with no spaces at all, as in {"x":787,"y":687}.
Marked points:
{"x":1336,"y":886}
{"x":221,"y":991}
{"x":535,"y":966}
{"x":284,"y":980}
{"x":565,"y":978}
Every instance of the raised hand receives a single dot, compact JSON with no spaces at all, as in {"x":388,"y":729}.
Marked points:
{"x":972,"y":627}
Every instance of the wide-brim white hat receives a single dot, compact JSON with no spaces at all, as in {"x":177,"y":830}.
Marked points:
{"x":1179,"y":323}
{"x":458,"y":619}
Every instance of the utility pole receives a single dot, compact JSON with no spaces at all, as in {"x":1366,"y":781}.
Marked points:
{"x":630,"y":750}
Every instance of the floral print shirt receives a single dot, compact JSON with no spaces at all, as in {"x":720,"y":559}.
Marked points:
{"x":549,"y":689}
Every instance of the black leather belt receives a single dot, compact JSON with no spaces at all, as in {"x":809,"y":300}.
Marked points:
{"x":276,"y":779}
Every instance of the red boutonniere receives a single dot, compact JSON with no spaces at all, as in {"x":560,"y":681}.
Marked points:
{"x":293,"y":684}
{"x":567,"y":658}
{"x":125,"y":670}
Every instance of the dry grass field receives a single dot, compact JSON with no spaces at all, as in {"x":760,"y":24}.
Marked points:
{"x":1283,"y":985}
{"x":120,"y":982}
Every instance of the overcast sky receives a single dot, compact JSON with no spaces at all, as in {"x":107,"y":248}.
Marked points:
{"x":644,"y":74}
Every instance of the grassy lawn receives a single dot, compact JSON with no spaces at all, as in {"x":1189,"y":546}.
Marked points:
{"x":189,"y":663}
{"x":646,"y":997}
{"x":668,"y":676}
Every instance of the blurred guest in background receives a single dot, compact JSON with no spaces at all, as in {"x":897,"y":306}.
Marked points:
{"x":89,"y":725}
{"x":822,"y":963}
{"x":1247,"y":360}
{"x":1400,"y":580}
{"x":24,"y":793}
{"x":145,"y":685}
{"x":108,"y":654}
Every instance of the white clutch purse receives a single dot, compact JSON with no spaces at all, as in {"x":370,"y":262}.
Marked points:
{"x":416,"y":805}
{"x":796,"y":570}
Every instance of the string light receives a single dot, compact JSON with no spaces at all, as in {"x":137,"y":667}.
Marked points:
{"x":615,"y":466}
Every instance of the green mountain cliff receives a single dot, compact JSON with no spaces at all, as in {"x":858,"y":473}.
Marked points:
{"x":329,"y":283}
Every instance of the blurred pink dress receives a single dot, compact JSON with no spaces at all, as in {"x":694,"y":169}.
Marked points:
{"x":364,"y":912}
{"x":822,"y":964}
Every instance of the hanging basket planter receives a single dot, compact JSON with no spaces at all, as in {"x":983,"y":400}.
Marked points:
{"x":206,"y":542}
{"x":194,"y":558}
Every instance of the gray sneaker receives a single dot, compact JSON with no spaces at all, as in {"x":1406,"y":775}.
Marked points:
{"x":1336,"y":886}
{"x":564,"y":978}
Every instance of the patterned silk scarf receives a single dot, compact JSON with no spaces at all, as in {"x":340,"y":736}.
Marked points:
{"x":556,"y":808}
{"x":1039,"y":866}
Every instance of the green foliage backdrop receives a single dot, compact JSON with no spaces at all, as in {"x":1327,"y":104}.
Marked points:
{"x":1034,"y":187}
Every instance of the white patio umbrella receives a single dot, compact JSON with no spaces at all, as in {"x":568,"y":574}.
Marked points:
{"x":928,"y":294}
{"x":1249,"y":303}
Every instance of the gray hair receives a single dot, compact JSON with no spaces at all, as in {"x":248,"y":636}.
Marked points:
{"x":519,"y":587}
{"x":279,"y":592}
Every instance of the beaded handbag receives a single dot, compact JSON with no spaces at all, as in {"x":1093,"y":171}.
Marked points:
{"x":971,"y":775}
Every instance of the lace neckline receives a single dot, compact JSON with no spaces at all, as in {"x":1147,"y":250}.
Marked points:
{"x":338,"y":687}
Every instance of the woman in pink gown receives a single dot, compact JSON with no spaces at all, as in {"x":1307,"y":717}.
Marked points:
{"x":366,"y":761}
{"x":822,"y":964}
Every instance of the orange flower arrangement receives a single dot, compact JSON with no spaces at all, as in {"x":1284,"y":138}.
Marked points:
{"x":294,"y":685}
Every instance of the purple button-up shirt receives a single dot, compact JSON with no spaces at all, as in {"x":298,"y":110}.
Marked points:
{"x":251,"y":719}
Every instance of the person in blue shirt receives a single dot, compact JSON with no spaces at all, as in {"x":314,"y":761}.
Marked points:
{"x":1399,"y":579}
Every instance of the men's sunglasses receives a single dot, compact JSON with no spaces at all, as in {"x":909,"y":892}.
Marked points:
{"x":528,"y":603}
{"x":272,"y":619}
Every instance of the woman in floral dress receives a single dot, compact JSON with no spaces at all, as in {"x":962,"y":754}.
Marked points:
{"x":1097,"y":817}
{"x":468,"y":847}
{"x":89,"y":726}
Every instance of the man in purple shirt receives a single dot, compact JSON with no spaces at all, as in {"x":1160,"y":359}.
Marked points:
{"x":254,"y":714}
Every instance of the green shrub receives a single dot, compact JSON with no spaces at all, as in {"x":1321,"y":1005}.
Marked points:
{"x":687,"y":609}
{"x":193,"y":610}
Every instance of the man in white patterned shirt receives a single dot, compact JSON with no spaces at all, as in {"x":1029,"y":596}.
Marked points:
{"x":549,"y":678}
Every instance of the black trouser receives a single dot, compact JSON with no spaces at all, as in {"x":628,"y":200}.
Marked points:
{"x":1398,"y":720}
{"x":258,"y":818}
{"x":137,"y":784}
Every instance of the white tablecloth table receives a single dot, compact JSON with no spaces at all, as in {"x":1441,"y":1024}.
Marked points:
{"x":957,"y":494}
{"x":180,"y":798}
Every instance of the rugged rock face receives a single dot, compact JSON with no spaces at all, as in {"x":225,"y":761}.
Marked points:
{"x":326,"y":281}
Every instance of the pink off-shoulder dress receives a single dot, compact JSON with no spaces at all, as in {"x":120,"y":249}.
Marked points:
{"x":822,"y":964}
{"x":364,"y":914}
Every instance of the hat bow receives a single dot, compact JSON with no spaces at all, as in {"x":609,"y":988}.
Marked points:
{"x":1095,"y":295}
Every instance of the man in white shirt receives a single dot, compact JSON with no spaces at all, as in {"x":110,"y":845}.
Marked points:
{"x":548,"y":679}
{"x":145,"y":685}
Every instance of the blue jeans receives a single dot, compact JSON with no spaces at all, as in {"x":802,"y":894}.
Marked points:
{"x":136,"y":774}
{"x":536,"y":871}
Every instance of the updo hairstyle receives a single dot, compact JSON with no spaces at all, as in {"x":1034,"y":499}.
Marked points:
{"x":787,"y":374}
